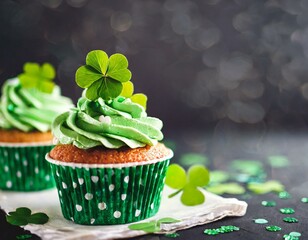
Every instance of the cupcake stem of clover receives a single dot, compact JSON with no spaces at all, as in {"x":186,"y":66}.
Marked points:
{"x":109,"y":166}
{"x":28,"y":105}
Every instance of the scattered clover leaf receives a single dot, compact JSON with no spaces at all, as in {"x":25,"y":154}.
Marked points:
{"x":189,"y":159}
{"x":188,"y":183}
{"x":278,"y":161}
{"x":230,"y":188}
{"x":219,"y":177}
{"x":103,"y":76}
{"x":23,"y":216}
{"x":250,"y":167}
{"x":262,"y":188}
{"x":128,"y":90}
{"x":38,"y":77}
{"x":152,"y":226}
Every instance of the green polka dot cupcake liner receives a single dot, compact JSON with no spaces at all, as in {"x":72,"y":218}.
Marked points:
{"x":23,"y":167}
{"x":107,"y":194}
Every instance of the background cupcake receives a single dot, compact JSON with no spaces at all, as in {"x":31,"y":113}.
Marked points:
{"x":109,"y":167}
{"x":28,"y":105}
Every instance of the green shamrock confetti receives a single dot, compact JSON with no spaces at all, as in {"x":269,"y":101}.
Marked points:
{"x":24,"y":236}
{"x":295,"y":234}
{"x":172,"y":235}
{"x":268,"y":203}
{"x":197,"y":176}
{"x":284,"y":195}
{"x":230,"y":188}
{"x":189,"y":159}
{"x":103,"y":76}
{"x":288,"y":237}
{"x":219,"y":177}
{"x":287,"y":210}
{"x":152,"y":226}
{"x":269,"y":186}
{"x":221,"y":230}
{"x":38,"y":77}
{"x":260,"y":221}
{"x":273,"y":228}
{"x":278,"y":161}
{"x":23,"y":216}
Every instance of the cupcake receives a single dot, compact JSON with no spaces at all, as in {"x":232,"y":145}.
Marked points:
{"x":28,"y":105}
{"x":109,"y":165}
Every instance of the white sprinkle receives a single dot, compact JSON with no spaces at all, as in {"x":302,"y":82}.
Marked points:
{"x":92,"y":220}
{"x":88,"y":196}
{"x":74,"y":185}
{"x":102,"y":206}
{"x":6,"y":168}
{"x":111,"y":187}
{"x":137,"y":213}
{"x":104,"y":119}
{"x":78,"y":208}
{"x":18,"y":174}
{"x":94,"y":179}
{"x":64,"y":185}
{"x":126,"y":179}
{"x":81,"y":181}
{"x":9,"y":184}
{"x":117,"y":214}
{"x":25,"y":162}
{"x":123,"y":196}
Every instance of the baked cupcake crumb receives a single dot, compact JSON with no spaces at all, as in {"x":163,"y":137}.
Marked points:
{"x":100,"y":155}
{"x":17,"y":136}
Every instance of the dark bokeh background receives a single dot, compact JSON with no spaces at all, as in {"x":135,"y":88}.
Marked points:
{"x":202,"y":63}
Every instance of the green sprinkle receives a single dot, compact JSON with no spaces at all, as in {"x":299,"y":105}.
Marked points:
{"x":288,"y":237}
{"x":172,"y":235}
{"x":25,"y":236}
{"x":284,"y":195}
{"x":260,"y":221}
{"x":273,"y":228}
{"x":295,"y":234}
{"x":304,"y":199}
{"x":290,"y":220}
{"x":11,"y":108}
{"x":287,"y":210}
{"x":268,"y":203}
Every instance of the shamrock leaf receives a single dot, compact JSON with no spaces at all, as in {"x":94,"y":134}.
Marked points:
{"x":152,"y":226}
{"x":22,"y":216}
{"x":219,"y":176}
{"x":103,"y":76}
{"x":269,"y":186}
{"x":230,"y":188}
{"x":128,"y":90}
{"x":189,"y":159}
{"x":197,"y":176}
{"x":39,"y":77}
{"x":278,"y":161}
{"x":250,"y":167}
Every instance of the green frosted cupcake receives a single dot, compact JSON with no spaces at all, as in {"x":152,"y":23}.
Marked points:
{"x":28,"y":105}
{"x":109,"y":166}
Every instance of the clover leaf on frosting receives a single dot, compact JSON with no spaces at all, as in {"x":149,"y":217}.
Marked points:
{"x":102,"y":76}
{"x":128,"y":90}
{"x":39,"y":77}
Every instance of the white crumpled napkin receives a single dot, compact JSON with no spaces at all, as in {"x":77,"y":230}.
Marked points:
{"x":57,"y":227}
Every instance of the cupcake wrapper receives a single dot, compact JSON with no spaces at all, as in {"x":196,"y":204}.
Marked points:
{"x":23,"y":168}
{"x":114,"y":195}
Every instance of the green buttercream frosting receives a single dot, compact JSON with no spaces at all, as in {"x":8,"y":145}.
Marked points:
{"x":28,"y":109}
{"x":112,"y":124}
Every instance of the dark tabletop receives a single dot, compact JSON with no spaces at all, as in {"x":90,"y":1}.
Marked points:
{"x":223,"y":145}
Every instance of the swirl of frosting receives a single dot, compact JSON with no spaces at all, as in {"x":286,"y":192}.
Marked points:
{"x":112,"y":124}
{"x":29,"y":109}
